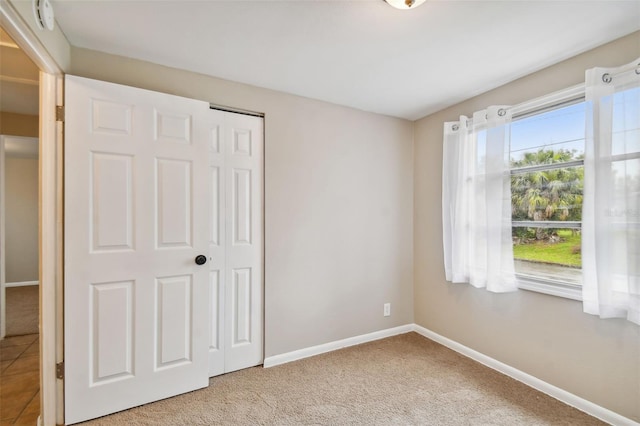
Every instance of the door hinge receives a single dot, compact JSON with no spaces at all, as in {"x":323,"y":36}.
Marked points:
{"x":60,"y":370}
{"x":60,"y":113}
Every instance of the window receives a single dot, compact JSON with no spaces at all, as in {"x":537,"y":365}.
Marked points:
{"x":547,"y":176}
{"x":545,"y":195}
{"x":546,"y":156}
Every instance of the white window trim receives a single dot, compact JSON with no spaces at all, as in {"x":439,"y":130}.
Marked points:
{"x":536,"y":106}
{"x":550,"y":287}
{"x":551,"y":101}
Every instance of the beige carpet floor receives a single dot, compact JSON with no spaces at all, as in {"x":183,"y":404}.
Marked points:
{"x":402,"y":380}
{"x":22,"y":310}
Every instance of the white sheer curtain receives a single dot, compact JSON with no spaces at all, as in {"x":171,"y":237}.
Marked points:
{"x":476,"y":201}
{"x":611,"y":206}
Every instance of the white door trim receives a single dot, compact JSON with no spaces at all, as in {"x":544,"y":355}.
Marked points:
{"x":51,"y":245}
{"x":50,"y":205}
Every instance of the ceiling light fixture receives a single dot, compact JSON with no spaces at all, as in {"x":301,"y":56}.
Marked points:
{"x":405,"y":4}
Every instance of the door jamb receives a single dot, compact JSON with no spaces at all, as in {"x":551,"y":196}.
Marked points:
{"x":50,"y":211}
{"x":3,"y":304}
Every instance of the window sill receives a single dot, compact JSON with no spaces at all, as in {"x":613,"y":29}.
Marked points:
{"x":550,"y":287}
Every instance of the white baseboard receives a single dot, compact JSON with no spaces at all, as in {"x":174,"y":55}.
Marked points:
{"x":272,"y":361}
{"x":21,"y":283}
{"x":529,"y":380}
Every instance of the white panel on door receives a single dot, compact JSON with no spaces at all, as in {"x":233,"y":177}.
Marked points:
{"x":214,"y":310}
{"x":215,"y":205}
{"x":242,"y":142}
{"x":172,"y":127}
{"x":215,"y":139}
{"x":174,"y":196}
{"x":173,"y":324}
{"x":111,"y":202}
{"x":242,"y":206}
{"x":111,"y":337}
{"x":241,"y":307}
{"x":110,"y":117}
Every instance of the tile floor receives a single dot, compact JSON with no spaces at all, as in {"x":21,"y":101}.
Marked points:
{"x":19,"y":380}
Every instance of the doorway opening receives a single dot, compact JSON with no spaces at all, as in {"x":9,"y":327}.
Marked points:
{"x":48,"y":344}
{"x":19,"y":230}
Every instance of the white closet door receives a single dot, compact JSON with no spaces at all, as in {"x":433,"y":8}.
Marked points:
{"x":244,"y":275}
{"x":136,"y":217}
{"x":236,"y":245}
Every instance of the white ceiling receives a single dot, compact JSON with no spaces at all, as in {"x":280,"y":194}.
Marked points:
{"x":360,"y":53}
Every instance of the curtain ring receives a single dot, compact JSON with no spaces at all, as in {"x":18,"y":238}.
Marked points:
{"x":502,"y":112}
{"x":455,"y":127}
{"x":606,"y":77}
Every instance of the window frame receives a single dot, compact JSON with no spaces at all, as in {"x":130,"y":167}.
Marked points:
{"x":565,"y":97}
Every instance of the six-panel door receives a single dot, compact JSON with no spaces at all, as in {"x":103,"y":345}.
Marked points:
{"x":136,"y":216}
{"x":236,"y":161}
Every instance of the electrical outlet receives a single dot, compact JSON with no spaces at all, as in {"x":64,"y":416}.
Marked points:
{"x":387,"y":309}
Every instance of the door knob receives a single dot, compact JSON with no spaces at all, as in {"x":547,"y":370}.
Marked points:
{"x":201,"y":259}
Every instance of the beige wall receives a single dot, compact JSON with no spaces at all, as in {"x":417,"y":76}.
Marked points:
{"x":21,"y":223}
{"x":338,"y":204}
{"x":18,"y":124}
{"x":545,"y":336}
